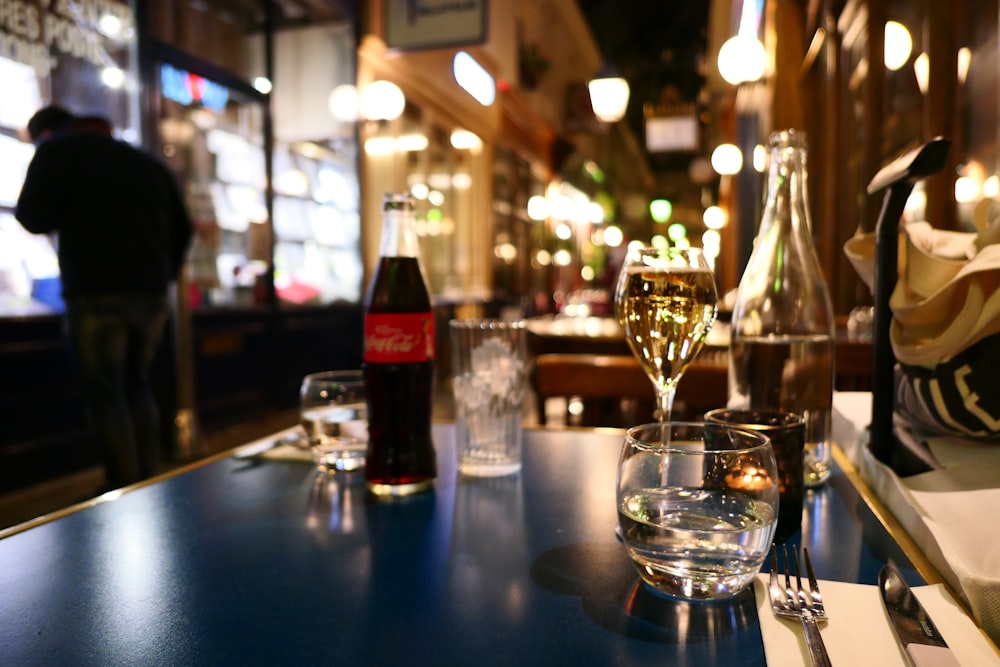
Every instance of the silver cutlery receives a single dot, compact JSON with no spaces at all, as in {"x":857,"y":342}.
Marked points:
{"x":793,"y":601}
{"x":920,"y":640}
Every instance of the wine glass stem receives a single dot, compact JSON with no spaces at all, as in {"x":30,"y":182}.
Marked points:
{"x":666,"y":396}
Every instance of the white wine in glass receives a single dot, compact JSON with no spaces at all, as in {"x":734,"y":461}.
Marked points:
{"x":666,"y":301}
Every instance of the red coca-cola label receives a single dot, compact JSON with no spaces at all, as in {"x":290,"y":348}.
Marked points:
{"x":399,"y":338}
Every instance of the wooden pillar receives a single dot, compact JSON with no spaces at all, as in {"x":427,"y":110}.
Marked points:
{"x":874,"y":105}
{"x":941,"y":106}
{"x":786,"y":40}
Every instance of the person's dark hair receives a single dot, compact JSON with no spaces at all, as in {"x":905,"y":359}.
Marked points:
{"x":51,"y":118}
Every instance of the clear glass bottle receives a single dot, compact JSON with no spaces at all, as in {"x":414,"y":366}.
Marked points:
{"x":782,"y":341}
{"x":398,"y":360}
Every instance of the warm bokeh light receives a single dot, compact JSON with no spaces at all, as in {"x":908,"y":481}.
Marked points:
{"x":742,"y":58}
{"x":262,"y":85}
{"x":595,"y":212}
{"x":380,"y":145}
{"x":759,"y":158}
{"x":465,"y":140}
{"x":562,"y":258}
{"x":966,"y":190}
{"x":609,"y":98}
{"x":613,"y":236}
{"x":538,"y":207}
{"x":419,"y":191}
{"x":411,"y":143}
{"x":921,"y":70}
{"x":343,"y":103}
{"x":727,"y":159}
{"x":898,"y":45}
{"x":715,"y":217}
{"x":113,"y":77}
{"x":964,"y":61}
{"x":381,"y":100}
{"x":991,"y":186}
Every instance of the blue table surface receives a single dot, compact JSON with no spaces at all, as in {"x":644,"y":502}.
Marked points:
{"x":266,"y":562}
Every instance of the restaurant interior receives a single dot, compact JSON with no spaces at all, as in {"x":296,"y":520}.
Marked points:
{"x":287,"y":122}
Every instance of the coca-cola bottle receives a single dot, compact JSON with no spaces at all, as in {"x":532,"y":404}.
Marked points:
{"x":398,"y":361}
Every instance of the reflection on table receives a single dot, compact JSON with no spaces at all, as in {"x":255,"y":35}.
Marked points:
{"x":259,"y":561}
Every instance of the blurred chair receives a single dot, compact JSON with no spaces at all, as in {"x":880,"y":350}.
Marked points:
{"x":853,"y":365}
{"x":613,"y":390}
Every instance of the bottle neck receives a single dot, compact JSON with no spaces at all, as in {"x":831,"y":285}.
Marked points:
{"x":787,"y":193}
{"x":399,"y":234}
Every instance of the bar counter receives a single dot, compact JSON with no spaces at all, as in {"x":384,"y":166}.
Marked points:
{"x":257,"y":561}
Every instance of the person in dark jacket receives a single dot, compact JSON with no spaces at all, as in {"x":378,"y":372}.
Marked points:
{"x":122,"y":233}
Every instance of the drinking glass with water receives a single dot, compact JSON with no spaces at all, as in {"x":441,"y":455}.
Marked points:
{"x":697,"y":506}
{"x":334,"y":416}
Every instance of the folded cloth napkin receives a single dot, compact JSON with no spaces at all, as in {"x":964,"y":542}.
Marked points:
{"x":858,"y":631}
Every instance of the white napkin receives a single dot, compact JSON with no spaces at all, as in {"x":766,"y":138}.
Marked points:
{"x":858,"y":630}
{"x":852,"y":411}
{"x":283,"y":451}
{"x":949,"y":514}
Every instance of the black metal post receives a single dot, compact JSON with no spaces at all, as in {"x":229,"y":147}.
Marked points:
{"x":899,"y":177}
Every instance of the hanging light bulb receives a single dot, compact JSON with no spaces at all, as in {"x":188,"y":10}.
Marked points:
{"x":608,"y":95}
{"x":381,"y":100}
{"x":898,"y":45}
{"x":742,"y":58}
{"x":727,"y":159}
{"x":343,"y":103}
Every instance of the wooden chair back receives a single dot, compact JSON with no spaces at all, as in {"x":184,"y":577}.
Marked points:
{"x":613,"y":390}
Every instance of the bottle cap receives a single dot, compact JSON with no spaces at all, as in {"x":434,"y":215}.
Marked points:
{"x":398,"y":201}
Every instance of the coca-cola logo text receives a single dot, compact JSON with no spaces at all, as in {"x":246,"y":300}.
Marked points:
{"x":399,"y":337}
{"x":389,"y":340}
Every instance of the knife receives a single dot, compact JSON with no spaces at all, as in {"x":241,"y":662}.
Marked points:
{"x":919,"y":639}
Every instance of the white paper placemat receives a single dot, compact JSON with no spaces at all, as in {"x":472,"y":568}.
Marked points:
{"x":858,"y":630}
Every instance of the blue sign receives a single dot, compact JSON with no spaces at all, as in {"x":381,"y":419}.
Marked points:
{"x":189,"y":89}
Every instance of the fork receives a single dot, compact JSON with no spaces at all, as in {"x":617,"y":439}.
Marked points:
{"x":795,"y":602}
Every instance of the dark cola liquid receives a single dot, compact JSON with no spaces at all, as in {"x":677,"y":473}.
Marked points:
{"x":400,"y":457}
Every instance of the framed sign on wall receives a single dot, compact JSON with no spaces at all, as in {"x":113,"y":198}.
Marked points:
{"x":429,"y":24}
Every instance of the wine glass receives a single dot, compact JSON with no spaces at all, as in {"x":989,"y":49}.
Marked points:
{"x":666,"y":302}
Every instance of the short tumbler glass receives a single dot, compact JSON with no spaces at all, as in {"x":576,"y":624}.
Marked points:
{"x":335,"y":418}
{"x":787,"y":433}
{"x":697,"y":506}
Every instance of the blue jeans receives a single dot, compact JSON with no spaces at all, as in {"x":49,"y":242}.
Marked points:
{"x":114,"y":338}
